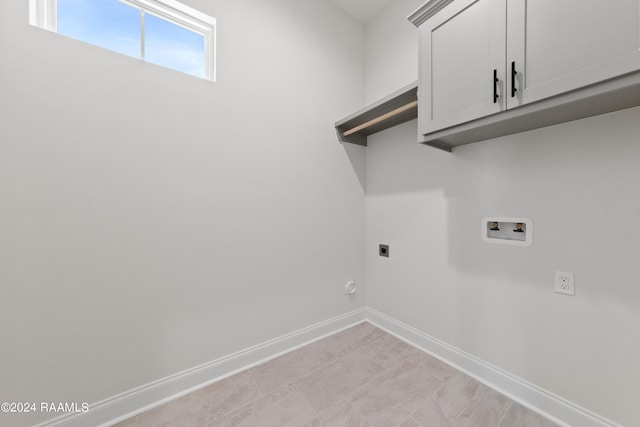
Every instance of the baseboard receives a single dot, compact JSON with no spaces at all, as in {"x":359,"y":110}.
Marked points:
{"x":533,"y":397}
{"x":136,"y":401}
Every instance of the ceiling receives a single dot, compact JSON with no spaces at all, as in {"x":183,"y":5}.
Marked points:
{"x":362,"y":10}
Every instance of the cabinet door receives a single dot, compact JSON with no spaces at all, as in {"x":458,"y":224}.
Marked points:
{"x":559,"y":46}
{"x":461,"y":47}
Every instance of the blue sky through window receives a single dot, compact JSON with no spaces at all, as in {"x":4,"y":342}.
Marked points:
{"x":105,"y":23}
{"x":172,"y":46}
{"x":116,"y":26}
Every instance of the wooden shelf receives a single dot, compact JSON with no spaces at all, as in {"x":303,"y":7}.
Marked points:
{"x":399,"y":107}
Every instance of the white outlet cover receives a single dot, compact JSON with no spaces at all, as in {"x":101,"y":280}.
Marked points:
{"x":564,"y":283}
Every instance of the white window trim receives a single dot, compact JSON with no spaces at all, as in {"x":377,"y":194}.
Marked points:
{"x":43,"y":14}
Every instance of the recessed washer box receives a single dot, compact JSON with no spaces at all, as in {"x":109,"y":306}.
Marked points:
{"x":507,"y":231}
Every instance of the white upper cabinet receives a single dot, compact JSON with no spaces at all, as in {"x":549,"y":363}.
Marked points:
{"x":480,"y":58}
{"x":558,"y":46}
{"x":462,"y":66}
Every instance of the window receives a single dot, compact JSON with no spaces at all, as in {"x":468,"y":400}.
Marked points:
{"x":163,"y":32}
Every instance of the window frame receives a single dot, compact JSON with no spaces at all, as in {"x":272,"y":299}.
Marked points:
{"x":43,"y":14}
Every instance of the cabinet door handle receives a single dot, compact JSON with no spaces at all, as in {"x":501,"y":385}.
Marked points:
{"x":495,"y":86}
{"x":514,"y":73}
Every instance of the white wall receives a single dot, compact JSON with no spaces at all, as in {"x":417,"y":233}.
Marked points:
{"x":391,"y":46}
{"x":151,"y":221}
{"x":578,"y":182}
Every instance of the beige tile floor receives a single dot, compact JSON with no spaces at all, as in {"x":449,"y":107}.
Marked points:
{"x":357,"y":378}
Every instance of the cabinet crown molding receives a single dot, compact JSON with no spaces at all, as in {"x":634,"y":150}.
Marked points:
{"x":427,"y":10}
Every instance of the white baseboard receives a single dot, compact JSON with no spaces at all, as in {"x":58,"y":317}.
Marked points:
{"x":136,"y":401}
{"x":126,"y":405}
{"x":533,"y":397}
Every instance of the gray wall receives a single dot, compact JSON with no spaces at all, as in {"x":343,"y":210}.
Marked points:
{"x":578,"y":182}
{"x":151,"y":221}
{"x":391,"y":46}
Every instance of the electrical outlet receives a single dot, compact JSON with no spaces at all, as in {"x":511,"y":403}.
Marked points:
{"x":564,"y":283}
{"x":383,"y":250}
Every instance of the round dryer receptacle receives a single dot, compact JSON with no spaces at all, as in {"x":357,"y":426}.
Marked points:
{"x":350,"y":287}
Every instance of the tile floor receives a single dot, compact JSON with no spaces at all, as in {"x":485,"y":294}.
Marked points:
{"x":359,"y":377}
